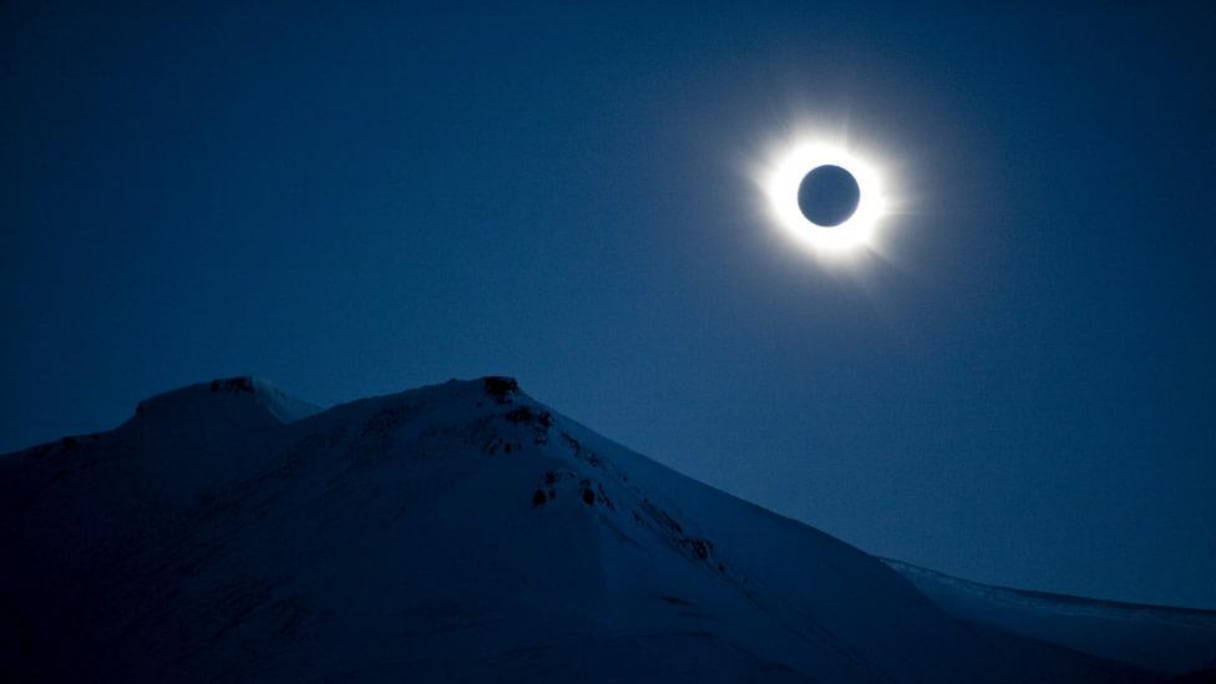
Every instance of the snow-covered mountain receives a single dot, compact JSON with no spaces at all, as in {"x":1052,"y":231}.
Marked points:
{"x":459,"y":532}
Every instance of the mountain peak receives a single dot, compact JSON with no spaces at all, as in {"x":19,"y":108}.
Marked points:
{"x":239,"y":393}
{"x":501,"y":387}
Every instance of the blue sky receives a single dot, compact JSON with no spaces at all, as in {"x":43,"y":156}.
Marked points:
{"x":1018,"y":387}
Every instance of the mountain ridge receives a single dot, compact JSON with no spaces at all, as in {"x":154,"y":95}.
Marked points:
{"x":1166,"y":638}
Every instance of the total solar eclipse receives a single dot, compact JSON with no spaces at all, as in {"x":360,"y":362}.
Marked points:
{"x":828,"y":195}
{"x":825,"y":195}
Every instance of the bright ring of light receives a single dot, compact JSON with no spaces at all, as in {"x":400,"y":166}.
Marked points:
{"x":781,"y":186}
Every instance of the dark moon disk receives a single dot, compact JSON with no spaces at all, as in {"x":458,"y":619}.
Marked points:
{"x":828,"y":195}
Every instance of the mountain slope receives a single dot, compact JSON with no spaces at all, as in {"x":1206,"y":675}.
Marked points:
{"x":1156,"y":637}
{"x":462,"y":531}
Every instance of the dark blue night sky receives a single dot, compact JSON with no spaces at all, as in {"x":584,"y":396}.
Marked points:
{"x":1019,"y":387}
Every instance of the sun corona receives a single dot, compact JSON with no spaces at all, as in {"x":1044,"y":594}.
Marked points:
{"x":783,"y":176}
